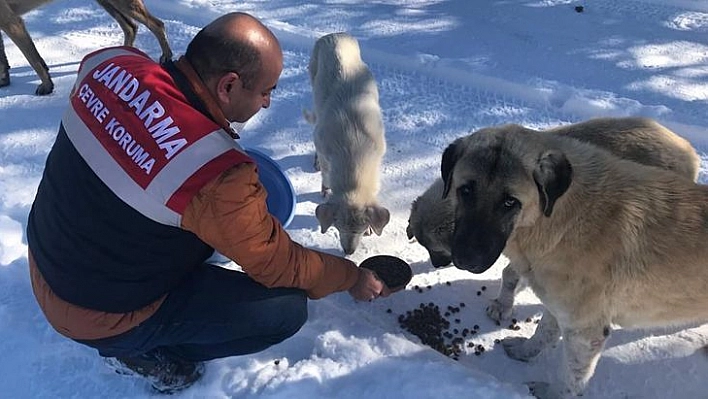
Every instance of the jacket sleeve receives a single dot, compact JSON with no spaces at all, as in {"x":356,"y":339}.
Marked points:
{"x":230,"y":214}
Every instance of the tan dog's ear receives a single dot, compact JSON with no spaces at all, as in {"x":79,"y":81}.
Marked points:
{"x":378,"y":218}
{"x":325,"y":215}
{"x":449,"y":159}
{"x":409,"y":231}
{"x":553,"y":175}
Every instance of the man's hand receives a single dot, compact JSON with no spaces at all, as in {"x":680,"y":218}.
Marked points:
{"x":368,"y":286}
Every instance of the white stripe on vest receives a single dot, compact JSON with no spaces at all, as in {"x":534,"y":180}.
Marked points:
{"x":113,"y":175}
{"x":181,"y":167}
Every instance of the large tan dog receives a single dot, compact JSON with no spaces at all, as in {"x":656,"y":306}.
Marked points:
{"x":124,"y":12}
{"x":601,"y":240}
{"x":642,"y":140}
{"x":638,"y":139}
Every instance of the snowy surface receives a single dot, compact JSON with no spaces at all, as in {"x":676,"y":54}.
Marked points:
{"x":445,"y":68}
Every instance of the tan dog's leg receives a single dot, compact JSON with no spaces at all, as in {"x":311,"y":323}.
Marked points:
{"x":15,"y":28}
{"x":524,"y":349}
{"x":136,"y":10}
{"x":500,"y":308}
{"x":581,"y":351}
{"x":582,"y":348}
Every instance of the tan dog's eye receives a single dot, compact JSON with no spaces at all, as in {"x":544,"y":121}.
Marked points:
{"x":466,"y":191}
{"x":511,"y":202}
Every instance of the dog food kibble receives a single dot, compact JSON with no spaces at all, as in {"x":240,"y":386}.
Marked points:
{"x":433,"y":329}
{"x":277,"y":362}
{"x":389,"y":310}
{"x":484,"y":288}
{"x":448,"y":283}
{"x":479,"y":293}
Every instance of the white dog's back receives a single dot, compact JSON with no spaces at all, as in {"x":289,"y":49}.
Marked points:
{"x":349,"y":137}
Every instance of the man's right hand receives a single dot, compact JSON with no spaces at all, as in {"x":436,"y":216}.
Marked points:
{"x":368,"y":286}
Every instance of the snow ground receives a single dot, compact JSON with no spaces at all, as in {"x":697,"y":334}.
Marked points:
{"x":445,"y":68}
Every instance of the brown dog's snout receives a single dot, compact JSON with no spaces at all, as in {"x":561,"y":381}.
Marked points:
{"x":439,"y":259}
{"x":476,"y":248}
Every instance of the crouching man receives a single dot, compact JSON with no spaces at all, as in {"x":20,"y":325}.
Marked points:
{"x":143,"y":183}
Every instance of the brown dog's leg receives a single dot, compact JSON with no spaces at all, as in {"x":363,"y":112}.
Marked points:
{"x":16,"y":31}
{"x":136,"y":10}
{"x":4,"y":66}
{"x":499,"y":309}
{"x":130,"y":28}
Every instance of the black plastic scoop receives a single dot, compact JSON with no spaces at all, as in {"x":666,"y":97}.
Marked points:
{"x":394,"y":272}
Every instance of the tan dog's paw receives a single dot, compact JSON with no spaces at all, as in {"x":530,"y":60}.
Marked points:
{"x":497,"y":311}
{"x":520,"y":348}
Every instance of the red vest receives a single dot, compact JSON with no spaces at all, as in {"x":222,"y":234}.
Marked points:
{"x":141,"y":136}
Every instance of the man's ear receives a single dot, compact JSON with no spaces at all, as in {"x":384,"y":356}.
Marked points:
{"x":225,"y":84}
{"x":553,"y":175}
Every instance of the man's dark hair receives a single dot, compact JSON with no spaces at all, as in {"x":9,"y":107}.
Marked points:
{"x":213,"y":53}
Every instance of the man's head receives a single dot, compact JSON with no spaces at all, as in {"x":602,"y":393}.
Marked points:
{"x":240,"y":60}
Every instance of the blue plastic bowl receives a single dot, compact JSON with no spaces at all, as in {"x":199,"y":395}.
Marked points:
{"x":281,"y":198}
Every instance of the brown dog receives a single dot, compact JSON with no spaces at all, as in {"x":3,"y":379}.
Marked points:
{"x":601,"y":240}
{"x":641,"y":140}
{"x":125,"y":13}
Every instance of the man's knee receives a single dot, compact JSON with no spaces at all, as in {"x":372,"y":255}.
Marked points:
{"x":293,"y":315}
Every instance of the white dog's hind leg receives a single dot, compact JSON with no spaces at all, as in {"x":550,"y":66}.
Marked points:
{"x":500,"y":308}
{"x":525,"y":349}
{"x":326,"y":188}
{"x":316,"y":163}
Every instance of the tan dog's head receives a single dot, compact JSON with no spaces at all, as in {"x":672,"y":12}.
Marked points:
{"x":499,"y":179}
{"x":352,"y":221}
{"x":431,"y":223}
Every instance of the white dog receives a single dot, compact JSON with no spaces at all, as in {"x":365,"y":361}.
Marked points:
{"x":349,"y":139}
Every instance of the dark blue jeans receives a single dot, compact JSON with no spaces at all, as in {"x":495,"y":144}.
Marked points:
{"x":213,"y":313}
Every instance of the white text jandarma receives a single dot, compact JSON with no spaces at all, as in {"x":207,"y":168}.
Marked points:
{"x":161,"y":128}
